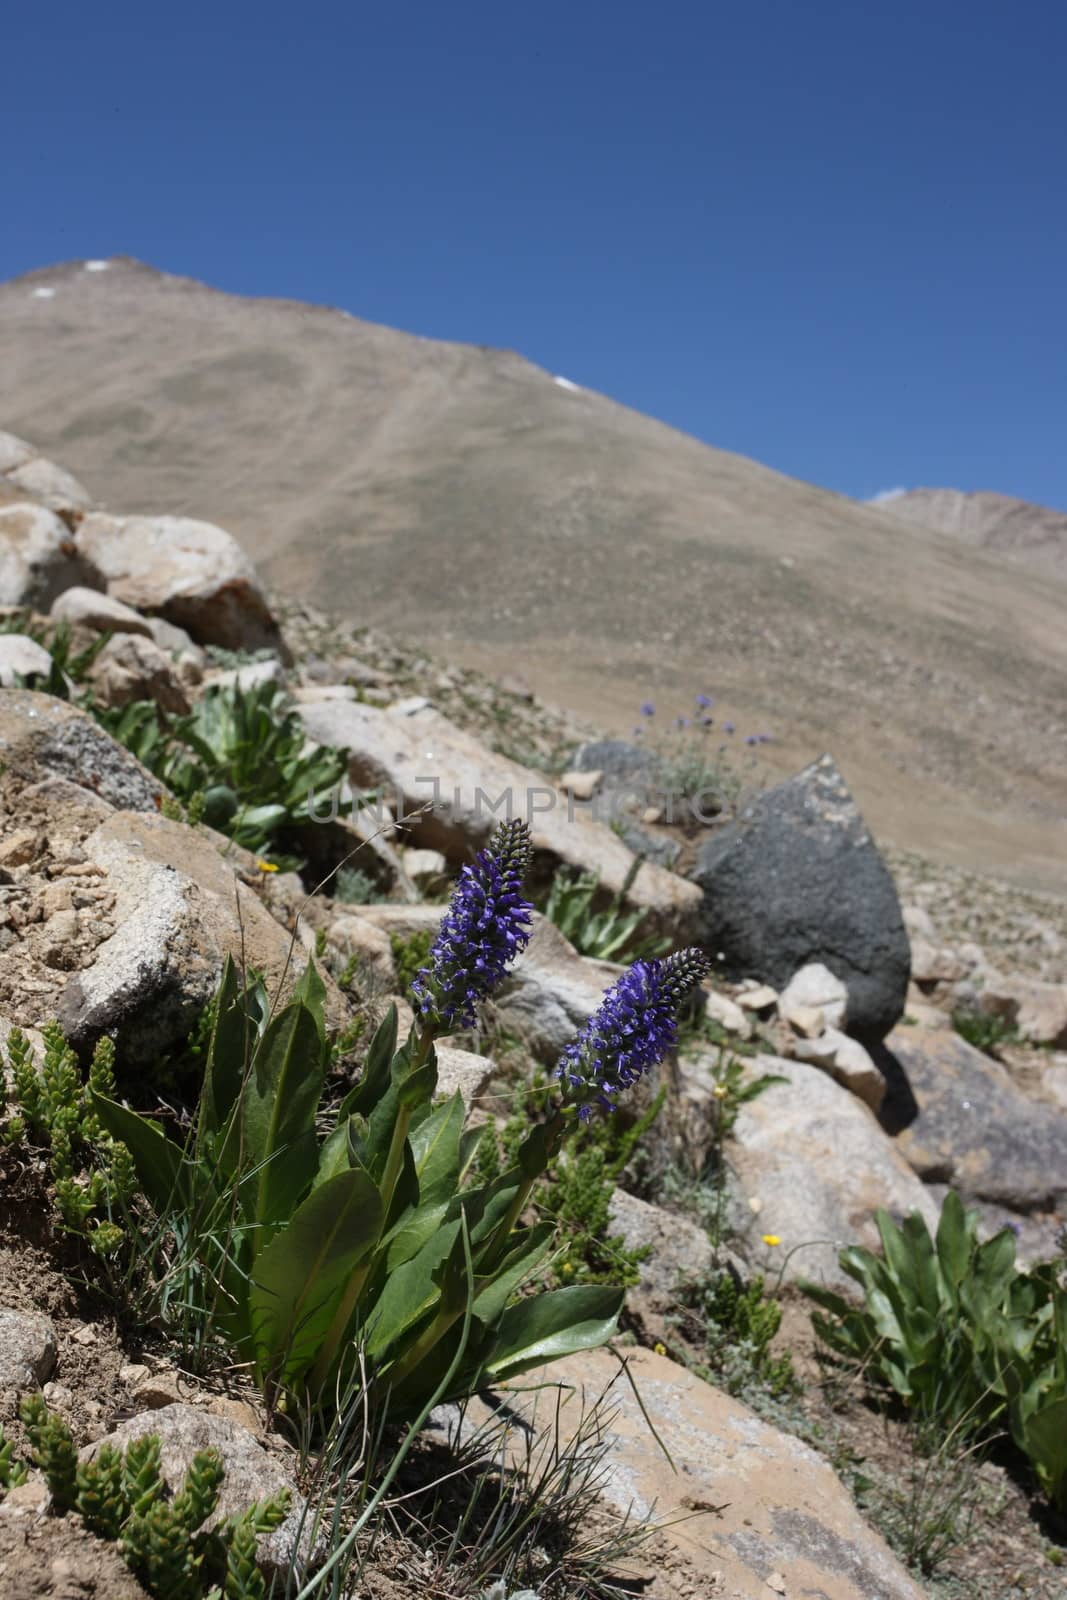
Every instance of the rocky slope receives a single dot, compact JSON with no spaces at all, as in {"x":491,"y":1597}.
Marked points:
{"x":463,"y":498}
{"x":1032,"y":537}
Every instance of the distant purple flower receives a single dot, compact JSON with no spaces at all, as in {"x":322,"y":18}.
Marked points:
{"x":728,"y":727}
{"x":704,"y":701}
{"x":707,"y":722}
{"x":648,"y":709}
{"x":634,"y":1027}
{"x":485,"y":927}
{"x":1016,"y":1227}
{"x":752,"y":738}
{"x":681,"y":722}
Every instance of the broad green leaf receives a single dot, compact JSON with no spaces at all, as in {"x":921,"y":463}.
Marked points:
{"x":227,"y":1056}
{"x":299,"y":1276}
{"x":164,"y":1174}
{"x":409,"y":1293}
{"x":953,"y":1242}
{"x":411,"y":1232}
{"x":1044,"y":1438}
{"x":435,"y":1147}
{"x":926,"y":1273}
{"x":333,"y":1156}
{"x":551,"y":1325}
{"x":492,"y":1294}
{"x":278,"y":1105}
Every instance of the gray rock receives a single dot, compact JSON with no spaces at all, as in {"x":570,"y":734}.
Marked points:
{"x":958,"y":1117}
{"x":659,"y":848}
{"x":132,"y":667}
{"x":42,"y":737}
{"x":798,"y":878}
{"x":619,"y":762}
{"x":54,"y":486}
{"x":27,"y":1349}
{"x":680,"y":1251}
{"x":251,"y":1474}
{"x":819,"y":1166}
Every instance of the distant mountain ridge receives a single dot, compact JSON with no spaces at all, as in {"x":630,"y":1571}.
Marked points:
{"x":1031,"y":535}
{"x":465,"y":498}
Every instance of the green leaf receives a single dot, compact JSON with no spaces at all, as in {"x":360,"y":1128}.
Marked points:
{"x":278,"y":1105}
{"x":435,"y":1147}
{"x":409,"y":1293}
{"x":299,"y":1276}
{"x":954,"y":1242}
{"x":376,"y":1071}
{"x":164,"y":1174}
{"x":551,"y":1325}
{"x":1044,"y":1438}
{"x":492,"y":1294}
{"x":227,"y":1057}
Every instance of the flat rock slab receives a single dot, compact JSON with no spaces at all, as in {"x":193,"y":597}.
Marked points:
{"x":767,"y":1506}
{"x":421,"y":759}
{"x":958,"y":1117}
{"x":820,"y":1165}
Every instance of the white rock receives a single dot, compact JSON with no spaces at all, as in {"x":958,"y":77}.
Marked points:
{"x":426,"y":868}
{"x":38,"y":559}
{"x":847,"y":1061}
{"x":195,"y":574}
{"x":356,"y":935}
{"x":463,"y":1070}
{"x":761,"y":998}
{"x":582,"y":785}
{"x":14,"y":452}
{"x":21,"y":657}
{"x":727,"y":1013}
{"x":133,"y":667}
{"x":815,"y":985}
{"x":54,"y":486}
{"x":253,"y":675}
{"x":103,"y":612}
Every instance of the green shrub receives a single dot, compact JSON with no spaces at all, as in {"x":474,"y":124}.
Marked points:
{"x":69,"y":668}
{"x":984,"y":1031}
{"x":354,"y":887}
{"x":120,"y":1495}
{"x":240,"y":757}
{"x":736,"y":1325}
{"x":610,"y":934}
{"x":92,"y":1174}
{"x":308,"y":1241}
{"x":959,"y":1334}
{"x":410,"y":953}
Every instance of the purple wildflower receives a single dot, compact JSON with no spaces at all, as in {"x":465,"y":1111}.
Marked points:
{"x":634,"y":1027}
{"x":648,"y":709}
{"x":729,"y":727}
{"x":485,"y":927}
{"x":681,"y":722}
{"x":705,"y":702}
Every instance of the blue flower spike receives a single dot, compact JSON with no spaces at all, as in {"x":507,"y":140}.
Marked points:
{"x":634,"y":1028}
{"x":486,"y":926}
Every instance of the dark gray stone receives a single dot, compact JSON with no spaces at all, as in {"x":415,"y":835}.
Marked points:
{"x":957,"y":1117}
{"x":798,"y":878}
{"x":659,"y":848}
{"x":620,"y":762}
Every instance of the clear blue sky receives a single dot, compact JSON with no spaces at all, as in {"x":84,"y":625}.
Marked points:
{"x":830,"y":236}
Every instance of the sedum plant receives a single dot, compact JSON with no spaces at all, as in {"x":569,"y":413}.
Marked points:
{"x":959,"y":1333}
{"x":354,"y":1238}
{"x":121,"y":1495}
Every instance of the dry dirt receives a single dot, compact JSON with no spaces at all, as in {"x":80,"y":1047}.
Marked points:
{"x":459,"y":497}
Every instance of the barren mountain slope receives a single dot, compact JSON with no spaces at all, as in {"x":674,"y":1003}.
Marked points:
{"x":463,"y":497}
{"x":1031,"y":535}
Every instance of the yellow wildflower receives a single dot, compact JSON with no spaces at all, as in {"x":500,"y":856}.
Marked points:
{"x":660,"y":1349}
{"x":266,"y":866}
{"x":772,"y":1239}
{"x":720,"y":1091}
{"x":567,"y":1269}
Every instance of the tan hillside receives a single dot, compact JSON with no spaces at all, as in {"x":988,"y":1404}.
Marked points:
{"x":1031,"y":535}
{"x":461,"y":497}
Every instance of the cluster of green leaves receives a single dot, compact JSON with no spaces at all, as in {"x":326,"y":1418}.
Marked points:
{"x":121,"y":1495}
{"x":69,"y":667}
{"x":575,"y":1192}
{"x":611,"y":933}
{"x":955,"y":1330}
{"x":52,"y":1109}
{"x":984,"y":1030}
{"x":238,"y":758}
{"x":737,"y":1323}
{"x":330,"y":1237}
{"x":354,"y":887}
